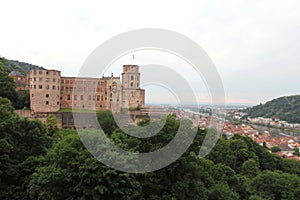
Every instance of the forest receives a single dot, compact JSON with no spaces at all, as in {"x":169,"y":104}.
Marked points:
{"x":41,"y":161}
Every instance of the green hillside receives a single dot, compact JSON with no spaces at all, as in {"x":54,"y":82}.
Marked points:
{"x":285,"y":108}
{"x":22,"y":67}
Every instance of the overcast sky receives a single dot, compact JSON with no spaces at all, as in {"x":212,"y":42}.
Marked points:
{"x":254,"y":44}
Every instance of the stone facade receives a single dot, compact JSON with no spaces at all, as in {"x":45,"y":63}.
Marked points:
{"x":49,"y":91}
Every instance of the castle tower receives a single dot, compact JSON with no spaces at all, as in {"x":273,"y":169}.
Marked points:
{"x":44,"y":89}
{"x":132,"y":95}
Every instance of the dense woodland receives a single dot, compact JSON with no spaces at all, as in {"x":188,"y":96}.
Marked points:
{"x":40,"y":161}
{"x":285,"y":108}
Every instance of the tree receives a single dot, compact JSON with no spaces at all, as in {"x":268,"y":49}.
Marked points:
{"x":23,"y":142}
{"x":250,"y":168}
{"x":275,"y":149}
{"x":107,"y":121}
{"x":7,"y":86}
{"x":51,"y":124}
{"x":297,"y":151}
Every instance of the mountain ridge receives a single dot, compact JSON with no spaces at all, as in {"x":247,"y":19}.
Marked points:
{"x":286,"y":108}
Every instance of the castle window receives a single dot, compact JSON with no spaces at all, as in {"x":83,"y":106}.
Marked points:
{"x":34,"y":79}
{"x":40,"y":72}
{"x":34,"y":72}
{"x":47,"y":95}
{"x":62,"y":81}
{"x":54,"y":73}
{"x":67,"y":88}
{"x":93,"y":98}
{"x":75,"y":97}
{"x":53,"y":80}
{"x":101,"y":98}
{"x":131,"y":78}
{"x":131,"y":84}
{"x":90,"y":98}
{"x":53,"y":87}
{"x":30,"y":86}
{"x":40,"y":79}
{"x":34,"y":86}
{"x":71,"y":82}
{"x":47,"y":72}
{"x":100,"y":105}
{"x":69,"y":98}
{"x":47,"y":102}
{"x":58,"y":103}
{"x":81,"y":97}
{"x":40,"y":86}
{"x":98,"y":98}
{"x":32,"y":95}
{"x":47,"y":87}
{"x":67,"y":81}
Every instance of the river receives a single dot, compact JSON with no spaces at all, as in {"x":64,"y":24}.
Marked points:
{"x":275,"y":132}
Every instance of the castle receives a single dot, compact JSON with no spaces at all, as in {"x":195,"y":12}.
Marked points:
{"x":50,"y":92}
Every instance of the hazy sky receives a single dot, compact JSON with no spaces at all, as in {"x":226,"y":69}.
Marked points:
{"x":254,"y":44}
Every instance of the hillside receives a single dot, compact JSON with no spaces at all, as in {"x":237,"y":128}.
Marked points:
{"x":285,"y":108}
{"x":22,"y":67}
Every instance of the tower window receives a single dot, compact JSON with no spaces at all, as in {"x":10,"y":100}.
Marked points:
{"x":81,"y":97}
{"x":131,"y":78}
{"x":40,"y":86}
{"x":68,"y":97}
{"x":75,"y":97}
{"x":47,"y":95}
{"x":47,"y":102}
{"x":53,"y":87}
{"x":131,"y":84}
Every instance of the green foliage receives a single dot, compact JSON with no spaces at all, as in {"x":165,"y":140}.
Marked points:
{"x":22,"y":143}
{"x":286,"y":108}
{"x":35,"y":165}
{"x":7,"y":86}
{"x":276,"y":149}
{"x":106,"y":121}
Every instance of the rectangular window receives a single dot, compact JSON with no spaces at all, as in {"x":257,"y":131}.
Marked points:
{"x":34,"y":86}
{"x":47,"y":95}
{"x":75,"y":97}
{"x":81,"y":97}
{"x":47,"y":102}
{"x":53,"y":87}
{"x":98,"y":98}
{"x":40,"y":86}
{"x":54,"y":80}
{"x":47,"y":87}
{"x":90,"y":97}
{"x":68,"y":97}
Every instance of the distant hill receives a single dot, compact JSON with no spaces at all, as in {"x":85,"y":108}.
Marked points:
{"x":285,"y":108}
{"x":14,"y":65}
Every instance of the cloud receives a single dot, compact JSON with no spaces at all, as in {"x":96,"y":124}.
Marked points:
{"x":254,"y":44}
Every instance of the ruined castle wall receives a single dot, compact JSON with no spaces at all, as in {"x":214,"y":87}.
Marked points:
{"x":44,"y":87}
